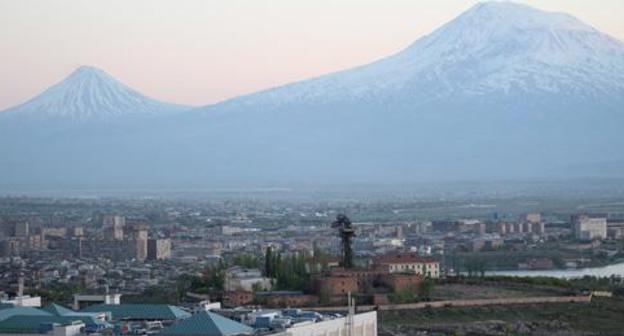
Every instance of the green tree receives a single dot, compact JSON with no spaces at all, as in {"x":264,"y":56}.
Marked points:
{"x":257,"y":287}
{"x":426,"y":289}
{"x":214,"y":277}
{"x":247,"y":260}
{"x":268,"y":262}
{"x":405,"y":295}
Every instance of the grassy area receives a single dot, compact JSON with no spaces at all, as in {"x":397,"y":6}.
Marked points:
{"x":601,"y":316}
{"x":466,"y":292}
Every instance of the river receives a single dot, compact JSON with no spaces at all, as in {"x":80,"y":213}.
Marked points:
{"x":605,"y":271}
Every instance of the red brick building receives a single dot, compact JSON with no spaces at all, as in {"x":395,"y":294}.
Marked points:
{"x":286,"y":299}
{"x":398,"y":282}
{"x":237,"y":298}
{"x":339,"y":281}
{"x":336,"y":285}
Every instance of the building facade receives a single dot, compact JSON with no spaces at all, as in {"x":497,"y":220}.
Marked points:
{"x":590,"y":227}
{"x":158,"y":249}
{"x":408,"y":263}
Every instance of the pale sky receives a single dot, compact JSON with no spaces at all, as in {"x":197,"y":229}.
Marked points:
{"x":198,"y":52}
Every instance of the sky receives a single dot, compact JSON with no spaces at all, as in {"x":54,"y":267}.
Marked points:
{"x":198,"y":52}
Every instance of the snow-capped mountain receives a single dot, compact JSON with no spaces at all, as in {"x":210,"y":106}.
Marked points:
{"x":493,"y":48}
{"x":503,"y":91}
{"x":90,"y":94}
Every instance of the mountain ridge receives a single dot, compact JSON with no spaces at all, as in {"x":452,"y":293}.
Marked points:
{"x":466,"y":102}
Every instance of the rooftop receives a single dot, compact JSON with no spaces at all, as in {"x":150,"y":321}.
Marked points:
{"x":140,"y":311}
{"x":22,"y":311}
{"x":32,"y":324}
{"x":402,"y":258}
{"x":207,"y":324}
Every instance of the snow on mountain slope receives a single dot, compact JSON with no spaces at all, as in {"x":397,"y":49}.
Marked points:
{"x":90,"y":94}
{"x":504,"y":91}
{"x":495,"y":47}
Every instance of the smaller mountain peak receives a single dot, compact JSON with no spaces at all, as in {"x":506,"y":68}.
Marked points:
{"x":88,"y":70}
{"x":499,"y":5}
{"x":91,"y":93}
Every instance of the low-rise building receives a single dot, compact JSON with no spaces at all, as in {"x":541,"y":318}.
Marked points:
{"x":237,"y":298}
{"x":140,"y":312}
{"x":615,"y":228}
{"x":409,"y":263}
{"x":245,"y":279}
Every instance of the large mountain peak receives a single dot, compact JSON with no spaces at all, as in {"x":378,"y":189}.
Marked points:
{"x":493,"y":31}
{"x":90,"y":93}
{"x":492,"y":48}
{"x":506,"y":14}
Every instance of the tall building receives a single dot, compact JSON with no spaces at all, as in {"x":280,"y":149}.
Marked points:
{"x":615,"y":228}
{"x":116,"y":226}
{"x":158,"y":249}
{"x":9,"y":247}
{"x":539,"y":228}
{"x":590,"y":227}
{"x":78,"y":231}
{"x":22,"y":229}
{"x":140,"y":239}
{"x":533,"y":217}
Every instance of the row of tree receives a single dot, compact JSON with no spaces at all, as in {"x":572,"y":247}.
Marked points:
{"x":290,"y":273}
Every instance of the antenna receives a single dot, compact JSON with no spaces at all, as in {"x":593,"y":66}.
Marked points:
{"x":350,"y":314}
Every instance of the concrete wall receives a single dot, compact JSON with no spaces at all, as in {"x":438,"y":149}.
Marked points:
{"x":364,"y":324}
{"x":487,"y":302}
{"x":467,"y":303}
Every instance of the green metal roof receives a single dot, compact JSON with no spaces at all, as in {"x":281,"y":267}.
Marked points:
{"x":6,"y":306}
{"x":57,"y":310}
{"x":22,"y":311}
{"x":206,"y":324}
{"x":140,"y":311}
{"x":32,"y":323}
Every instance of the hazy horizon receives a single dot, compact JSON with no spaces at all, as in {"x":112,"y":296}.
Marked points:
{"x":205,"y":52}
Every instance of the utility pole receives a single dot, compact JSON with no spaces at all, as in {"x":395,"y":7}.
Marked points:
{"x":350,"y":314}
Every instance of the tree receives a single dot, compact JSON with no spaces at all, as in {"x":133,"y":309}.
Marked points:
{"x":426,"y":289}
{"x":405,"y":295}
{"x":247,"y":260}
{"x":215,"y":277}
{"x":256,"y":287}
{"x":268,"y":262}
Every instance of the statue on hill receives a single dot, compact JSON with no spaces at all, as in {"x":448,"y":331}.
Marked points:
{"x":346,"y":233}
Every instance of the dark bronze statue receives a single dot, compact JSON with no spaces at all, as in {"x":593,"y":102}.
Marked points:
{"x":346,"y":232}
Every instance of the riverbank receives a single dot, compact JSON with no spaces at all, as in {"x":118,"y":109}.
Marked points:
{"x":616,"y":269}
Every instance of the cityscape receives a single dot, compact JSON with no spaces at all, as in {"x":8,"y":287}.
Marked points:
{"x":330,"y":168}
{"x":86,"y":256}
